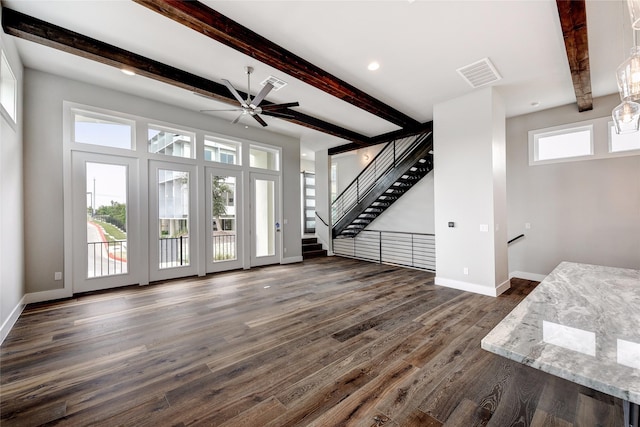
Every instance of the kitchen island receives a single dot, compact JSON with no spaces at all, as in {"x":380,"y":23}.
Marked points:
{"x":581,"y":323}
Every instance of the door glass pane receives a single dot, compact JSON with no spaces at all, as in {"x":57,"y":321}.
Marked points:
{"x":265,"y":239}
{"x":106,"y":219}
{"x":223,"y":211}
{"x":173,"y":218}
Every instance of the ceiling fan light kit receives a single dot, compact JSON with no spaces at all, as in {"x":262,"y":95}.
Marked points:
{"x":251,"y":107}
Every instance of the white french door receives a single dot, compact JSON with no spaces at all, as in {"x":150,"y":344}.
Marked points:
{"x":104,"y":221}
{"x":265,"y":223}
{"x":173,"y":225}
{"x":223,"y":204}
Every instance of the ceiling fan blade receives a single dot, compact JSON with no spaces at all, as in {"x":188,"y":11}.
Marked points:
{"x":234,"y":92}
{"x":263,"y":93}
{"x":237,"y":118}
{"x":273,"y":107}
{"x":259,"y":120}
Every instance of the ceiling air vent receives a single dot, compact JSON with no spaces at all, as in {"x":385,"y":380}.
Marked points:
{"x":276,"y":82}
{"x":479,"y":73}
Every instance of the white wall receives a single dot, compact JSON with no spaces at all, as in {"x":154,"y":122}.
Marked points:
{"x":43,"y":156}
{"x":412,"y":213}
{"x":307,"y":165}
{"x":323,"y":198}
{"x":12,"y":287}
{"x":584,"y":211}
{"x":351,"y":163}
{"x":469,"y":182}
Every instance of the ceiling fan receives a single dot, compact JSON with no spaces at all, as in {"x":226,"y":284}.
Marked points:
{"x":252,"y":107}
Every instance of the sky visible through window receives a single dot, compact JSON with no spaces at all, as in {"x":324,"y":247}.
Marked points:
{"x":89,"y":130}
{"x":559,"y":146}
{"x":108,"y":182}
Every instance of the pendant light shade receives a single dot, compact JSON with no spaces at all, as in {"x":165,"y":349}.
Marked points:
{"x":626,"y":117}
{"x":634,"y":12}
{"x":628,"y":76}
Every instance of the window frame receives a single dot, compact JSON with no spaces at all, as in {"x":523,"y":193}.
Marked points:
{"x":276,"y":151}
{"x":537,"y":134}
{"x":162,"y":128}
{"x":227,"y":141}
{"x":106,"y":117}
{"x":610,"y":132}
{"x":11,"y":116}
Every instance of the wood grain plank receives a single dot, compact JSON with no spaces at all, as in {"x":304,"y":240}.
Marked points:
{"x":411,"y":354}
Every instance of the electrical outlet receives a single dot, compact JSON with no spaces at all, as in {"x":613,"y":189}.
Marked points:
{"x":57,"y":275}
{"x":465,"y":271}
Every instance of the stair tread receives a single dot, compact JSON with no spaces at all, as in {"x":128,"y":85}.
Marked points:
{"x":415,"y":166}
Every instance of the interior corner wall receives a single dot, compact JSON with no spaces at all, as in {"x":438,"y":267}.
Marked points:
{"x":468,"y":183}
{"x":581,"y":211}
{"x":12,"y":269}
{"x":43,"y":159}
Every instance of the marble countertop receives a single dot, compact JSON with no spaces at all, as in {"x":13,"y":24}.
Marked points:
{"x":581,"y":323}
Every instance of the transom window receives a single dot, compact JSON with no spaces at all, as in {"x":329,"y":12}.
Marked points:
{"x":549,"y":146}
{"x":98,"y":129}
{"x":170,"y":142}
{"x":622,"y":142}
{"x":264,"y":158}
{"x":8,"y":89}
{"x":222,"y":150}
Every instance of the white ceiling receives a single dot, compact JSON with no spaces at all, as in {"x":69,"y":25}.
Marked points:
{"x":419,"y":46}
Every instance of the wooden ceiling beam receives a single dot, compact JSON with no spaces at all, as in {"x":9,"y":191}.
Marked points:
{"x":213,"y":24}
{"x":35,"y":30}
{"x":573,"y":20}
{"x":386,"y":137}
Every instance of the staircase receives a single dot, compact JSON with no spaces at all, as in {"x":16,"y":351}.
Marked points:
{"x":312,"y":249}
{"x":390,"y":174}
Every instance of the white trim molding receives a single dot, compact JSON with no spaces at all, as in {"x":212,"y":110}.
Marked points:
{"x":50,"y":295}
{"x":291,"y":260}
{"x":12,"y":319}
{"x":473,"y":287}
{"x":527,"y":276}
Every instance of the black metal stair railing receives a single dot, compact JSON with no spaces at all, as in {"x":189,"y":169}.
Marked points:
{"x":391,"y":173}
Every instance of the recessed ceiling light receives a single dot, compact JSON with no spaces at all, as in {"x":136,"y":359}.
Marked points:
{"x":373,"y":66}
{"x":304,"y":154}
{"x":128,"y":72}
{"x":535,"y":104}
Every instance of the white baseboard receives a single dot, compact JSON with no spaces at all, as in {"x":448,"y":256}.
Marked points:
{"x":291,"y":260}
{"x":527,"y":276}
{"x":503,"y":287}
{"x":12,"y":319}
{"x":472,"y":287}
{"x":51,"y":295}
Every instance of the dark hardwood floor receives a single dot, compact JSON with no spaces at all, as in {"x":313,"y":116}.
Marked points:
{"x":328,"y":342}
